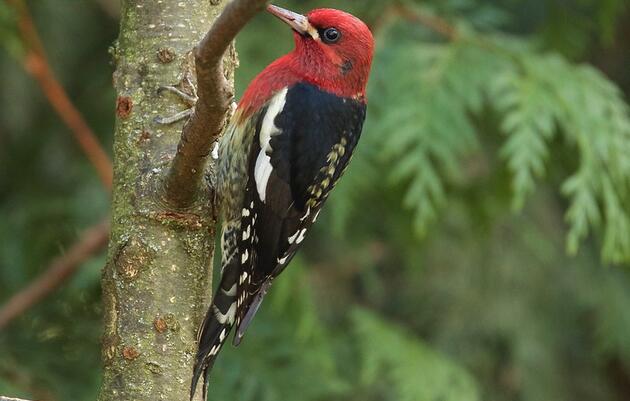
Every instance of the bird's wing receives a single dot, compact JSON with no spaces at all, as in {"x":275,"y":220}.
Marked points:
{"x":304,"y":143}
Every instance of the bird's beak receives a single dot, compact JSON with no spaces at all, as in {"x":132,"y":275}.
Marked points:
{"x":296,"y":21}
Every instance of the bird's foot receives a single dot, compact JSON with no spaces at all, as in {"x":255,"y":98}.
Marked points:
{"x":189,"y":98}
{"x":175,"y":117}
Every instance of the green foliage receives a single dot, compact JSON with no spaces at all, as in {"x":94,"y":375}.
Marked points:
{"x":530,"y":114}
{"x":424,"y":129}
{"x":547,"y":93}
{"x":427,"y":116}
{"x":402,"y":368}
{"x":514,"y":309}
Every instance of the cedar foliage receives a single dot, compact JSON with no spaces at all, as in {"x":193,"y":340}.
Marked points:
{"x":427,"y":116}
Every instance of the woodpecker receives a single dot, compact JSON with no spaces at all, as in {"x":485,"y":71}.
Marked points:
{"x":289,"y":141}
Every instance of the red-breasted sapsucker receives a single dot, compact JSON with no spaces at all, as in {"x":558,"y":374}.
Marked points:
{"x":288,"y":143}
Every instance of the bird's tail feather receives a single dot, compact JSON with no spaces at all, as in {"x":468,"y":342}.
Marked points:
{"x":250,"y":312}
{"x":215,"y":327}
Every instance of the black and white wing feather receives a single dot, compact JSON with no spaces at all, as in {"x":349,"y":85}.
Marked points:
{"x":304,"y":144}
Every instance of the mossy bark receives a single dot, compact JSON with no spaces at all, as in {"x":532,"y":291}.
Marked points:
{"x":156,"y":283}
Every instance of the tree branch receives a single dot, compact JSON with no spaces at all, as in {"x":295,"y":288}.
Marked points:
{"x":206,"y":124}
{"x":91,"y":242}
{"x":36,"y":63}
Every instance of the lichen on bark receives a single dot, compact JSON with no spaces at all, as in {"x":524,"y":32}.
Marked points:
{"x":156,"y":283}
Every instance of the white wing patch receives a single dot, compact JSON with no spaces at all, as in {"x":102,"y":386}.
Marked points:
{"x":263,"y":168}
{"x":231,"y":292}
{"x":229,"y":315}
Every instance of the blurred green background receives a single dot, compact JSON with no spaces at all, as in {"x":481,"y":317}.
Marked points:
{"x":478,"y":248}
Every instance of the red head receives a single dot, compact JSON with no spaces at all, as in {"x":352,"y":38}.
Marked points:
{"x":333,"y":50}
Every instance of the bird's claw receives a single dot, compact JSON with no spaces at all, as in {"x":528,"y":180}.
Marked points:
{"x":189,"y":99}
{"x":175,"y":117}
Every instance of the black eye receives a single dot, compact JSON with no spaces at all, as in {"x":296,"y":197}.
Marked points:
{"x":331,"y":35}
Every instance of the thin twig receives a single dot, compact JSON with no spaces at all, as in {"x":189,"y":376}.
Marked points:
{"x":432,"y":22}
{"x":23,"y":380}
{"x":90,"y":243}
{"x":443,"y":28}
{"x":206,"y":123}
{"x":36,"y":63}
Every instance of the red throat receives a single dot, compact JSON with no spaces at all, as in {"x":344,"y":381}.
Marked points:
{"x":341,"y":69}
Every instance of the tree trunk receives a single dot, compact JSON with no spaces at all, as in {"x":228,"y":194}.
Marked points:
{"x":156,"y":283}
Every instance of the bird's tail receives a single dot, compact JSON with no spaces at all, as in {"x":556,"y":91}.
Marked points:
{"x":217,"y":324}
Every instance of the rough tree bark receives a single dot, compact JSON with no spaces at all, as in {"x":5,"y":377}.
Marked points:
{"x":157,"y":278}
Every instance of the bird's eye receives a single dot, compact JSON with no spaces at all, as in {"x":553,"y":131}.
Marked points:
{"x":331,"y":35}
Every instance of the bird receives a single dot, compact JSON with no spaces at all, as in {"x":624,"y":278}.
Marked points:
{"x":288,"y":143}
